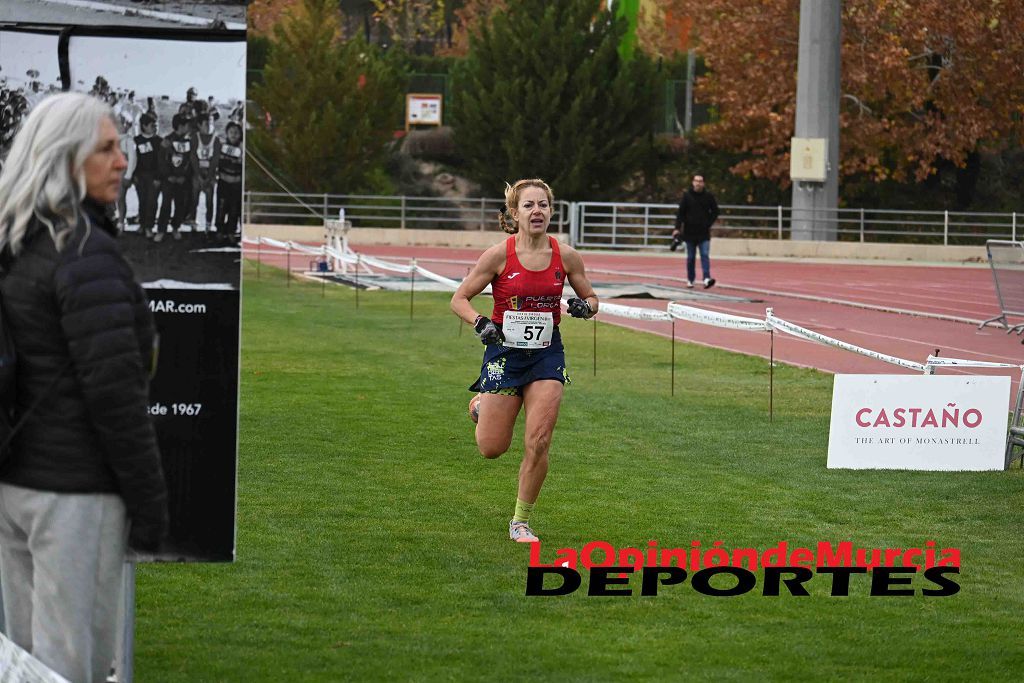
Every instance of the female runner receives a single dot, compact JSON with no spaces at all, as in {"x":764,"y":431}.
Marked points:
{"x":524,"y":362}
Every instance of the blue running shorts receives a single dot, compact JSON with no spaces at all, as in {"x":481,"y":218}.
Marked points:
{"x":505,"y":368}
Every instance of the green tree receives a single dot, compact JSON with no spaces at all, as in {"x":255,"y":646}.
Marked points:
{"x":327,"y":109}
{"x":544,"y":94}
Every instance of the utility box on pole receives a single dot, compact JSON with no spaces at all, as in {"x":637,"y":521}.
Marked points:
{"x":808,"y":160}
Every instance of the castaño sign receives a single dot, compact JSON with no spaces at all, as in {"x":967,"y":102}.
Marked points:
{"x":918,"y":422}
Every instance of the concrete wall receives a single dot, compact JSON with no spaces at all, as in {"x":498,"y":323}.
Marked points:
{"x":848,"y":250}
{"x":722,"y":246}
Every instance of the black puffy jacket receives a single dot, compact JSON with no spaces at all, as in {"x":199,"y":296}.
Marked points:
{"x":697,"y":212}
{"x":79,"y":314}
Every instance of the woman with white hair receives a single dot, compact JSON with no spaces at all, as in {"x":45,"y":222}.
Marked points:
{"x":82,"y":474}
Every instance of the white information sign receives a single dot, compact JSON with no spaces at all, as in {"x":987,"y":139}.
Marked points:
{"x":918,"y":422}
{"x":422,"y":110}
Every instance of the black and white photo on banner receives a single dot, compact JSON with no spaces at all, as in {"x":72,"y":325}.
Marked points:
{"x":179,"y":99}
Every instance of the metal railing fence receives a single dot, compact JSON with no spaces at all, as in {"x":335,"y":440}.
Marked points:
{"x":623,"y":225}
{"x":386,"y":211}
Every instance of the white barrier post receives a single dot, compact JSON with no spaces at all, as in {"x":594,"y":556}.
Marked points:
{"x":771,"y":375}
{"x":771,"y":367}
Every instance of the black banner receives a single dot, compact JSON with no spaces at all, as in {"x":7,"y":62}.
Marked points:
{"x":194,"y":406}
{"x":185,"y":87}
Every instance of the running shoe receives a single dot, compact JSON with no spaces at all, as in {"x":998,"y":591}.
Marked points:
{"x":689,"y":284}
{"x":709,"y":282}
{"x":520,"y":532}
{"x":474,"y":408}
{"x":158,"y":237}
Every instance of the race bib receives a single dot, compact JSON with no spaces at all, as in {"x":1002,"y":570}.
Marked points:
{"x":527,"y":330}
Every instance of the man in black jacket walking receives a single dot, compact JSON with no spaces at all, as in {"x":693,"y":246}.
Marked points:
{"x":697,"y":212}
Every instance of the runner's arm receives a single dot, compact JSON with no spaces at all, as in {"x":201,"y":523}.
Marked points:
{"x":577,"y":276}
{"x":490,"y":264}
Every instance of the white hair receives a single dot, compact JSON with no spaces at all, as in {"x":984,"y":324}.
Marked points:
{"x":43,"y":175}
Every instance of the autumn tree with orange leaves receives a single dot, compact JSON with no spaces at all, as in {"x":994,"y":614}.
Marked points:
{"x":664,"y":27}
{"x":924,"y":82}
{"x":410,"y":21}
{"x":263,"y":15}
{"x":469,"y":19}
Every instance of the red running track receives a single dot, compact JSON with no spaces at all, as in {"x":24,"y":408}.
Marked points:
{"x":844,"y":300}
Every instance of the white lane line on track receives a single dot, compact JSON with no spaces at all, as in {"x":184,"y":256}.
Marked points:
{"x":951,"y":304}
{"x":811,"y":297}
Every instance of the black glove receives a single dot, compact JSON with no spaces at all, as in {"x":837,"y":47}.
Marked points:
{"x":579,"y":308}
{"x":677,"y":239}
{"x":488,"y":331}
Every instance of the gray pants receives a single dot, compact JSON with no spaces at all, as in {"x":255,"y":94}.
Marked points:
{"x":61,"y":564}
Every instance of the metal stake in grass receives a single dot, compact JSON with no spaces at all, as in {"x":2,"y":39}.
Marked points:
{"x":673,"y":358}
{"x":259,"y":255}
{"x":288,"y":266}
{"x":771,"y":376}
{"x":412,"y":286}
{"x":359,"y":263}
{"x":595,"y":347}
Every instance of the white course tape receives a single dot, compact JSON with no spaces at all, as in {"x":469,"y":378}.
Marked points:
{"x":275,"y":243}
{"x":798,"y":331}
{"x":704,"y":317}
{"x":18,"y":665}
{"x":632,"y":312}
{"x":366,"y":262}
{"x":430,"y":275}
{"x":935,"y":361}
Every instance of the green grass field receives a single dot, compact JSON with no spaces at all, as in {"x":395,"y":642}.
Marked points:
{"x":372,"y":538}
